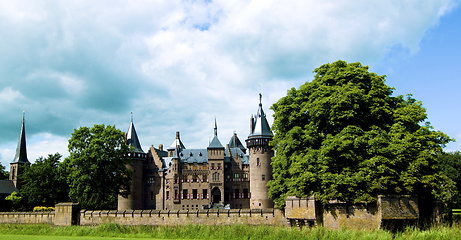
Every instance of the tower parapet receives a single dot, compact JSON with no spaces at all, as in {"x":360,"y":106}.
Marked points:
{"x":260,"y":155}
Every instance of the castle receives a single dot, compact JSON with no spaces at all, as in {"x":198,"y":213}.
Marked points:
{"x":178,"y":178}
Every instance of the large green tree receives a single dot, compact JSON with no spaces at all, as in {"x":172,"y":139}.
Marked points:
{"x":450,"y":165}
{"x":97,"y":166}
{"x":44,"y":182}
{"x":344,"y":136}
{"x":3,"y":174}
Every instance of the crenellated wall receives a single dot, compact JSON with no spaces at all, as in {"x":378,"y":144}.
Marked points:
{"x":273,"y":217}
{"x":27,"y":217}
{"x":388,"y":210}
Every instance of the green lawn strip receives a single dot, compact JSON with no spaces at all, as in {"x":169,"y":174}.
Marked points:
{"x":41,"y":237}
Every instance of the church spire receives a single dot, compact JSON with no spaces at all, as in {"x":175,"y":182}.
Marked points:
{"x":21,"y":151}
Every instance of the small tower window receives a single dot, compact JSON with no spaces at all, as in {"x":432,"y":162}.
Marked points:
{"x":264,"y":177}
{"x":258,"y":163}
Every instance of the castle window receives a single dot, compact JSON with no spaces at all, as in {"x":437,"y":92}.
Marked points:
{"x":264,"y":177}
{"x":236,"y":177}
{"x":245,"y":176}
{"x":151,"y":180}
{"x":204,"y":166}
{"x":176,"y":194}
{"x":219,"y":166}
{"x":194,"y":194}
{"x":258,"y":163}
{"x":167,"y":195}
{"x":215,"y":177}
{"x":236,"y":193}
{"x":184,"y":194}
{"x":185,"y":166}
{"x":245,"y":193}
{"x":204,"y":193}
{"x":236,"y":165}
{"x":212,"y":166}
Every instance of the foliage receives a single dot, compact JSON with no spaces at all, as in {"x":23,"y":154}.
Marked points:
{"x":97,"y":166}
{"x":343,"y":136}
{"x":4,"y":175}
{"x":14,"y":197}
{"x":450,"y":165}
{"x":43,"y":209}
{"x":44,"y":182}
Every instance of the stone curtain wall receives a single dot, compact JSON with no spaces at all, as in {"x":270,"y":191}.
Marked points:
{"x":273,"y":217}
{"x":389,"y":210}
{"x":27,"y":217}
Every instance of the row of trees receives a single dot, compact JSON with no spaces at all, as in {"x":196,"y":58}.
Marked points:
{"x":344,"y":136}
{"x":94,"y":174}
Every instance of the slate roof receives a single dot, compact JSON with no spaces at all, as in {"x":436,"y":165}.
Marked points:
{"x":235,"y":143}
{"x":193,"y":156}
{"x":261,"y":127}
{"x":215,"y":143}
{"x":132,"y":138}
{"x":21,"y":151}
{"x":7,"y":187}
{"x":177,"y":142}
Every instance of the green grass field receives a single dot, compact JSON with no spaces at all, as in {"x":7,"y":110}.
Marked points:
{"x":114,"y":231}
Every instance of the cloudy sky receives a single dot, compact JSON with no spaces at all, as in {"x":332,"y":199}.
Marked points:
{"x":179,"y":64}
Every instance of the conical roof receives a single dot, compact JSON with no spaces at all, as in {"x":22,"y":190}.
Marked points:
{"x":21,"y":151}
{"x":260,"y":125}
{"x":215,"y":143}
{"x":132,"y":138}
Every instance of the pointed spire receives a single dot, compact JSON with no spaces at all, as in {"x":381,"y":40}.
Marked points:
{"x":215,"y":127}
{"x":21,"y":151}
{"x":215,"y":143}
{"x":259,"y":124}
{"x":132,"y":138}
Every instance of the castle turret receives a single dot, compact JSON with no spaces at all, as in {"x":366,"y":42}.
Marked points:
{"x":216,"y":162}
{"x":20,"y":158}
{"x":138,"y":157}
{"x":260,"y":155}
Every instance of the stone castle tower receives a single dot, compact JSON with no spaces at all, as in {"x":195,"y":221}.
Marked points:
{"x":260,"y":155}
{"x":138,"y":158}
{"x":20,"y":158}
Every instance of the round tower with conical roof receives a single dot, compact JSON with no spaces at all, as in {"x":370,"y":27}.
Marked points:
{"x":260,"y":155}
{"x":138,"y":158}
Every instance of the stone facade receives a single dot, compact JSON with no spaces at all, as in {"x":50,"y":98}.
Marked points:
{"x":177,"y":178}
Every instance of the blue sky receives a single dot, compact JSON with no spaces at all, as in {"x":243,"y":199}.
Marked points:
{"x":179,"y":64}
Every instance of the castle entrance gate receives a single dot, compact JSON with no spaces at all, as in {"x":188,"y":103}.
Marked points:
{"x":216,"y":195}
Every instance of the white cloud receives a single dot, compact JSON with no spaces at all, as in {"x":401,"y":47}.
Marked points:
{"x":177,"y":64}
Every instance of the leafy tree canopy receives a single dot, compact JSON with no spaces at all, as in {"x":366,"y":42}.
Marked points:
{"x":450,"y":165}
{"x":44,"y":182}
{"x":343,"y":136}
{"x":97,"y":166}
{"x":3,"y":174}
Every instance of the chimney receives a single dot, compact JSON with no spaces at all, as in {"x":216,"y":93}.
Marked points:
{"x":252,"y":124}
{"x":160,"y":147}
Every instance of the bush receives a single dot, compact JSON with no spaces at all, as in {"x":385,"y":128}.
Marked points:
{"x":43,"y":209}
